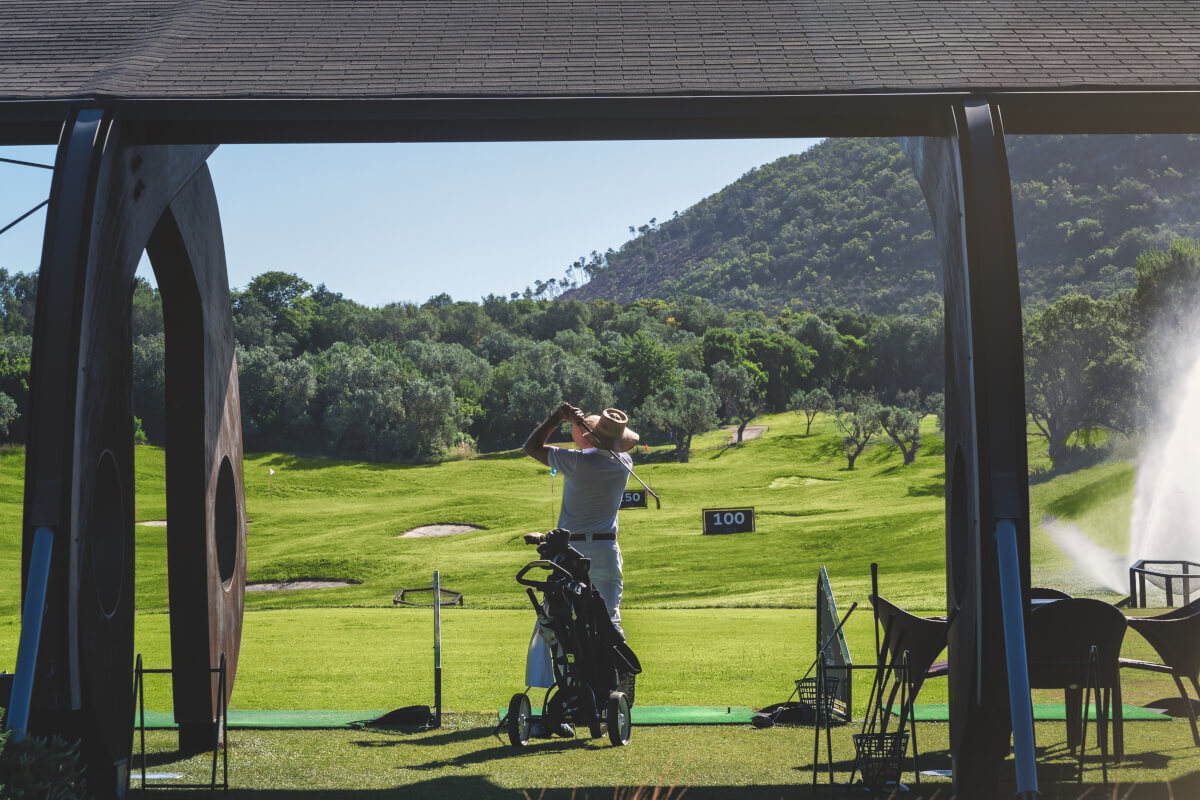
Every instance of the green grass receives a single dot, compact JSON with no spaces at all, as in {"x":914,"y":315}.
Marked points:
{"x":715,"y":763}
{"x":340,"y":520}
{"x":723,"y":620}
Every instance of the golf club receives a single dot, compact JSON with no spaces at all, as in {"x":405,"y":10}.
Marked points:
{"x":761,"y":720}
{"x":584,"y":425}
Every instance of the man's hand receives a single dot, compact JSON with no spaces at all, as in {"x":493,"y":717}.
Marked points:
{"x":569,"y":413}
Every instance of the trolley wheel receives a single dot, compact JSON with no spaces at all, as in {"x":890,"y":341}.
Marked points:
{"x":618,"y":719}
{"x":596,"y":729}
{"x":519,"y":718}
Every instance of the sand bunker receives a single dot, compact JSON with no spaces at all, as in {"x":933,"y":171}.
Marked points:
{"x":792,"y":481}
{"x":288,"y":586}
{"x":751,"y":432}
{"x":437,"y":530}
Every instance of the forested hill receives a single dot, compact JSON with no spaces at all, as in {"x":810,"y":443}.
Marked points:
{"x":845,"y":224}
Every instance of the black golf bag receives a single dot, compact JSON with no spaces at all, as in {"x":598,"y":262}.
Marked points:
{"x":590,"y":656}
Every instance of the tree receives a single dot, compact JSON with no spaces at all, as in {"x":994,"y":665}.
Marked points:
{"x":644,"y":366}
{"x":146,"y":309}
{"x":8,"y":413}
{"x":282,"y":298}
{"x":782,"y":360}
{"x":682,"y":410}
{"x":740,"y":390}
{"x":810,"y":403}
{"x":722,"y":344}
{"x":1080,"y":368}
{"x":275,"y":395}
{"x":149,"y":385}
{"x":15,"y":351}
{"x":904,"y":428}
{"x":858,"y":420}
{"x":906,"y":353}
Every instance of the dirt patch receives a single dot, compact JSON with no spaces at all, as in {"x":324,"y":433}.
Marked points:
{"x":441,"y":529}
{"x":751,"y":432}
{"x":288,"y":586}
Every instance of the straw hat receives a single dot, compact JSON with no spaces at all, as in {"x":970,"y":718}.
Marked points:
{"x":611,"y":431}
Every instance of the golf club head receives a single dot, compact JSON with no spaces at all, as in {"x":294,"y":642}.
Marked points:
{"x":762,"y":721}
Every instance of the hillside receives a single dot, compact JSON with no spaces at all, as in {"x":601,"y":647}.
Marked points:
{"x":845,"y":224}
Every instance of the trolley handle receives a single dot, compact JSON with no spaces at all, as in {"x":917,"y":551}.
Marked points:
{"x":541,"y":564}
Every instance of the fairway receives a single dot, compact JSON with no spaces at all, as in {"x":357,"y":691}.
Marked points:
{"x":719,"y":621}
{"x":716,"y":620}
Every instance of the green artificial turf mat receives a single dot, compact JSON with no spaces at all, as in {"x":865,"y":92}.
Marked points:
{"x":1042,"y":712}
{"x":274,"y":719}
{"x":682,"y":715}
{"x":642,"y":715}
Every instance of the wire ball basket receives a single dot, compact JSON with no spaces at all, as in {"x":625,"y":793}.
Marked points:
{"x":806,"y":689}
{"x":878,"y":756}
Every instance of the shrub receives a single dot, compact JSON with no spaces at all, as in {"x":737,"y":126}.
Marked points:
{"x":33,"y":768}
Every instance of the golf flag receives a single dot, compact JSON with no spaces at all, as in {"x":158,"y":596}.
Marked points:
{"x":271,"y":470}
{"x":553,"y":472}
{"x":647,"y":448}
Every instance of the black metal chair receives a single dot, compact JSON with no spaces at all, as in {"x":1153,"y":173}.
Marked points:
{"x":923,"y":639}
{"x":1175,"y":636}
{"x":1075,"y":645}
{"x":1046,"y":593}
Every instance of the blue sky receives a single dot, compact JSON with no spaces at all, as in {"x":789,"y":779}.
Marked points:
{"x":403,"y":222}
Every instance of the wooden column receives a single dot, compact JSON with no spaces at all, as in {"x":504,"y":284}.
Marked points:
{"x":206,"y":510}
{"x":965,"y":179}
{"x":107,"y":196}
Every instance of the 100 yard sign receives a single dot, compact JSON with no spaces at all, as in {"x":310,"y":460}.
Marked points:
{"x":728,"y":520}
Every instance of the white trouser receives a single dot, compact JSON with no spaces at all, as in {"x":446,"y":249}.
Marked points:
{"x":605,"y":574}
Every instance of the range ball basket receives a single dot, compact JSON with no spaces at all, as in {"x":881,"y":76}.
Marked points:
{"x":878,"y":756}
{"x":806,"y":691}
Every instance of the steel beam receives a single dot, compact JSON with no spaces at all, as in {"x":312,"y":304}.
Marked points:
{"x":549,"y":118}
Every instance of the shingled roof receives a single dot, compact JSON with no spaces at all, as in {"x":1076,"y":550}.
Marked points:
{"x":184,"y":49}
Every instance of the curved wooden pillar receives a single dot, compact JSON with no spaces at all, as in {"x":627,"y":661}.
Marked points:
{"x":206,"y":509}
{"x":966,"y":184}
{"x":106,"y":197}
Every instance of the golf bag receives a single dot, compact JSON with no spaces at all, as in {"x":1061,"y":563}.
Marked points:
{"x":588,"y":652}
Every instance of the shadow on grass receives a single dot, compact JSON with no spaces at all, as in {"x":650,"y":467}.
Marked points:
{"x":934,"y":487}
{"x":832,"y":450}
{"x":414,"y":736}
{"x":471,"y":788}
{"x":1089,"y":496}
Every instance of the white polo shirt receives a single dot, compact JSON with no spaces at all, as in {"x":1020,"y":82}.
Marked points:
{"x":592,"y":490}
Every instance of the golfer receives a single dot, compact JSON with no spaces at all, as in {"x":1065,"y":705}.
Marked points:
{"x":594,"y":480}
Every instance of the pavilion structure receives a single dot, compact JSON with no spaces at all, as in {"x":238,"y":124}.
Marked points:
{"x":137,"y":95}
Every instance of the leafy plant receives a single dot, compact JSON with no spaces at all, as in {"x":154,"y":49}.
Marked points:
{"x":33,"y":768}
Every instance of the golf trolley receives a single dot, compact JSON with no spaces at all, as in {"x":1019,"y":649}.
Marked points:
{"x":589,"y":654}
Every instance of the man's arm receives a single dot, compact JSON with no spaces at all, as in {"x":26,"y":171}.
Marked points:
{"x":535,"y":445}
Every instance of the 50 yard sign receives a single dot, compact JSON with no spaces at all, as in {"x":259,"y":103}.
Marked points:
{"x":728,"y":520}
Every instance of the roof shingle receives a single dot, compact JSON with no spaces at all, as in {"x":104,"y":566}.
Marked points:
{"x":181,"y":49}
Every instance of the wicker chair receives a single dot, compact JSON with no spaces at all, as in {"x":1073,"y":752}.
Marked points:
{"x":1175,"y":636}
